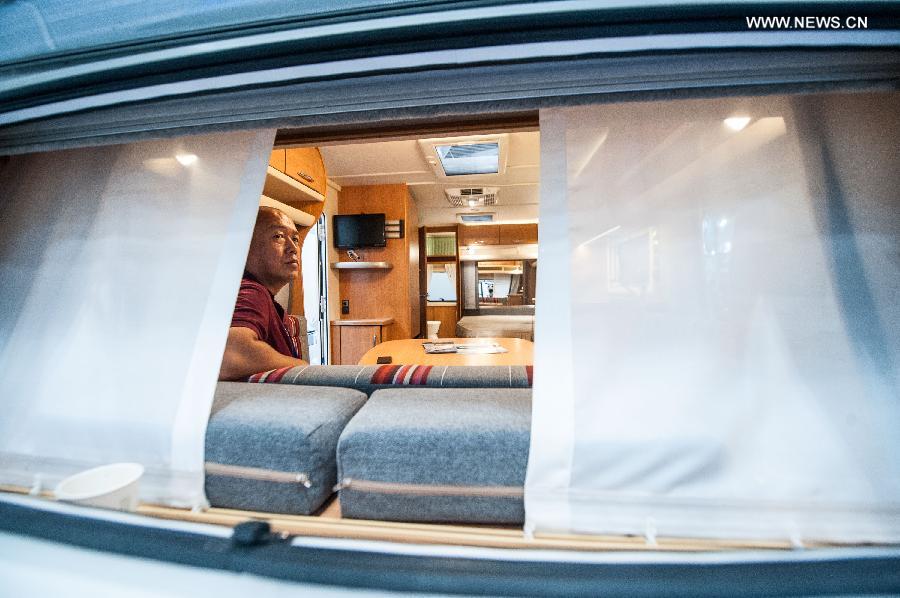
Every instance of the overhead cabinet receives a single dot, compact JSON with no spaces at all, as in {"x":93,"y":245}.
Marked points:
{"x":518,"y":234}
{"x":302,"y":164}
{"x":486,"y":234}
{"x":498,"y":234}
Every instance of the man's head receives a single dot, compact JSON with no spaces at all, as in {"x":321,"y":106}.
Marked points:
{"x":274,"y":256}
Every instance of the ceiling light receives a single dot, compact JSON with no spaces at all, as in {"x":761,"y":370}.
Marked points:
{"x":736,"y":123}
{"x":465,"y":218}
{"x":186,"y":159}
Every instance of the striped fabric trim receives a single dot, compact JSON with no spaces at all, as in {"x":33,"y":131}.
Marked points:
{"x":529,"y":372}
{"x":292,"y":327}
{"x":271,"y":377}
{"x":412,"y":375}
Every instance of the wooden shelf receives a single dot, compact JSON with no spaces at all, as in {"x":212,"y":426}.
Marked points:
{"x":283,"y":188}
{"x":300,"y":217}
{"x":441,"y":259}
{"x":362,"y":266}
{"x":366,"y":322}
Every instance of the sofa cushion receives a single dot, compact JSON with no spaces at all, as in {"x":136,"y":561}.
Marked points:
{"x":369,"y":378}
{"x":272,"y":448}
{"x":437,"y":455}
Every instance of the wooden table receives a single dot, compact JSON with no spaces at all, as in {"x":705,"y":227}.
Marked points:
{"x":410,"y":352}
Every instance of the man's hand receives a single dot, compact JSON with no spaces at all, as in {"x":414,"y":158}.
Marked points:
{"x":246,"y":354}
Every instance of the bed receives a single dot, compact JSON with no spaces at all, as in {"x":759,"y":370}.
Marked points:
{"x":496,"y":325}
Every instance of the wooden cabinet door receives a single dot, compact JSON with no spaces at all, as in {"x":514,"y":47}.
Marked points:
{"x":486,"y":234}
{"x":355,"y":341}
{"x":276,"y":160}
{"x":304,"y":164}
{"x":518,"y":234}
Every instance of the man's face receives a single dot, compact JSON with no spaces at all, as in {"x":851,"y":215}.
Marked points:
{"x":274,"y":256}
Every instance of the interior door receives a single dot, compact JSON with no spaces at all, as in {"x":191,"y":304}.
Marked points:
{"x":314,"y":291}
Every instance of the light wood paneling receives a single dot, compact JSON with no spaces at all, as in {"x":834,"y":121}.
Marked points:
{"x":383,"y":293}
{"x":305,"y":165}
{"x":518,"y":234}
{"x":308,"y":158}
{"x":350,"y":343}
{"x":486,"y":234}
{"x":276,"y":160}
{"x":325,"y":525}
{"x":446,"y":315}
{"x":411,"y":233}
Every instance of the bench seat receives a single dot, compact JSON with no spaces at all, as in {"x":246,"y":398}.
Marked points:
{"x":272,"y":448}
{"x":441,"y":455}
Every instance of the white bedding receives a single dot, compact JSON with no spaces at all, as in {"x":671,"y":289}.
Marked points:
{"x":497,"y":326}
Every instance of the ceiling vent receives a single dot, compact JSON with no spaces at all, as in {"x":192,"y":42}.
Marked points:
{"x":472,"y":197}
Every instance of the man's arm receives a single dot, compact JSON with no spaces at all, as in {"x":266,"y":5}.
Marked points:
{"x":246,"y":354}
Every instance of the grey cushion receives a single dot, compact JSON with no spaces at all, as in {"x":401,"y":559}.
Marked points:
{"x":437,"y":455}
{"x":262,"y":440}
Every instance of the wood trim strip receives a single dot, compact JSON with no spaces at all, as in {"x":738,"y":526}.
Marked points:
{"x":449,"y":534}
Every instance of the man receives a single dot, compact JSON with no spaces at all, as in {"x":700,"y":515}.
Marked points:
{"x":258,"y":340}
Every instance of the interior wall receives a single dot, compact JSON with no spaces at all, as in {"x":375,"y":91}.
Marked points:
{"x":381,"y":293}
{"x":332,"y":255}
{"x":412,"y":239}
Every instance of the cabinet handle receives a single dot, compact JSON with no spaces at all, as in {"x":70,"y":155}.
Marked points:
{"x":373,"y":341}
{"x":305,"y":176}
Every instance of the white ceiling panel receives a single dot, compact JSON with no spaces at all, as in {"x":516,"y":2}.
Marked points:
{"x":403,"y":161}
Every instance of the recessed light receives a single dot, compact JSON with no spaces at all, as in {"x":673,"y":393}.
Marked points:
{"x":186,"y":159}
{"x":736,"y":123}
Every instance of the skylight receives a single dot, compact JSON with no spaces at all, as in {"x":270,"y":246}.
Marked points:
{"x":472,"y":158}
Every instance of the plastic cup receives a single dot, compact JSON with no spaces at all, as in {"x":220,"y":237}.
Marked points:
{"x":433,"y":326}
{"x":113,"y":486}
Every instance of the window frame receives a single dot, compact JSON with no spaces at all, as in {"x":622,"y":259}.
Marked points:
{"x":377,"y":99}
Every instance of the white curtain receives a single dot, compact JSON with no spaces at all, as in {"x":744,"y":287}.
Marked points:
{"x":718,"y":332}
{"x":501,"y":285}
{"x":120,"y":268}
{"x":450,"y":269}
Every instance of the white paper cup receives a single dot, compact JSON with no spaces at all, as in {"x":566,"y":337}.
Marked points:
{"x":433,"y":326}
{"x":112,"y":486}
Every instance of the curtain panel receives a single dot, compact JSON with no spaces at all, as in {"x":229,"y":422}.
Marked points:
{"x":120,"y":268}
{"x":718,"y":336}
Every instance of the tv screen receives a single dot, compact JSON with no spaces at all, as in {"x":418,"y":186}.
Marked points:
{"x":358,"y":230}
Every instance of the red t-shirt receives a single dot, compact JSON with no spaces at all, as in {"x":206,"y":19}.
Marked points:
{"x":257,"y":310}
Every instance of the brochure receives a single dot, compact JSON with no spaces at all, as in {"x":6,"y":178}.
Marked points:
{"x":440,"y":347}
{"x":473,"y":348}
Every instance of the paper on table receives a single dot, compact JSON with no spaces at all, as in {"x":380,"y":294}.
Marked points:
{"x":439,"y":347}
{"x":480,"y":348}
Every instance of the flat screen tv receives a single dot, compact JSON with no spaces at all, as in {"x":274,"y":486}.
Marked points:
{"x":358,"y":230}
